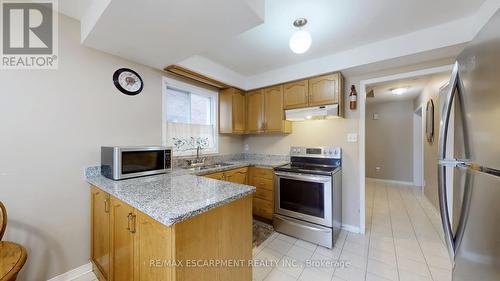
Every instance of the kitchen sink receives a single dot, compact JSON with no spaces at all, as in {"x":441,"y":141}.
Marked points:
{"x":209,"y":166}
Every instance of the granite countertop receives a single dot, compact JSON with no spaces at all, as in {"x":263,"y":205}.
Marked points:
{"x":176,"y":196}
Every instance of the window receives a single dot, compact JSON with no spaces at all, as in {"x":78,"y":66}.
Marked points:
{"x":189,"y":118}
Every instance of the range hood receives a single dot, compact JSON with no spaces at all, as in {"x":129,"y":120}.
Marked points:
{"x":313,"y":113}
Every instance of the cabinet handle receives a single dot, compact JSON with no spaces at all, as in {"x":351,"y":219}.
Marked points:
{"x":131,"y":223}
{"x":106,"y":205}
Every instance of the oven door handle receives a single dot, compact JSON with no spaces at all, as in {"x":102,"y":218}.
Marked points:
{"x":311,"y":178}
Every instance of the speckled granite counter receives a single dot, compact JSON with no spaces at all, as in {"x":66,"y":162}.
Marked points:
{"x":179,"y":195}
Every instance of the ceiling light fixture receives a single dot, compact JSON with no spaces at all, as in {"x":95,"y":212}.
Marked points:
{"x":398,"y":91}
{"x":301,"y":40}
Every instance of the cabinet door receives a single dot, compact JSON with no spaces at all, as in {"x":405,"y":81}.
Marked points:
{"x":100,"y":206}
{"x":226,"y":111}
{"x":255,"y":111}
{"x":273,"y":110}
{"x":239,"y":112}
{"x":123,"y":230}
{"x":295,"y":94}
{"x":215,"y":176}
{"x":324,"y":90}
{"x":153,"y":250}
{"x":263,"y":208}
{"x":237,"y":175}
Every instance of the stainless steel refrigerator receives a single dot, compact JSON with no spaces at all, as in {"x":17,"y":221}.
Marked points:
{"x":470,"y":125}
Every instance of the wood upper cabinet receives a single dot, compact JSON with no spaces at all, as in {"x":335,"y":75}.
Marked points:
{"x":296,"y":94}
{"x":100,"y":209}
{"x":324,"y":90}
{"x":232,"y":111}
{"x":273,"y":109}
{"x":255,"y":111}
{"x":123,"y":229}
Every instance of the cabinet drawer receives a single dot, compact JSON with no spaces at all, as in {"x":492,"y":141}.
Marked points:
{"x":263,"y":208}
{"x":264,"y":194}
{"x":262,"y":173}
{"x":262,"y":183}
{"x":216,"y":176}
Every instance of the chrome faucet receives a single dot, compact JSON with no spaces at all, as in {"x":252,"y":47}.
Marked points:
{"x":198,"y":161}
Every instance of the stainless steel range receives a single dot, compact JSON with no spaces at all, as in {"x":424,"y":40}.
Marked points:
{"x":309,"y":195}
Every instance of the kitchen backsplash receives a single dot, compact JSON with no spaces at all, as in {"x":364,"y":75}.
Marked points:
{"x":211,"y":159}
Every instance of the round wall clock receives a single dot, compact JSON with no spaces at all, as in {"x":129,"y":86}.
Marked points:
{"x":128,"y":81}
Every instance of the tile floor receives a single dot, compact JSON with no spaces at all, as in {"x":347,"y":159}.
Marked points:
{"x":403,"y":241}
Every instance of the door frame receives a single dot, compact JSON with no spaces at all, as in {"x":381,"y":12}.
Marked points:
{"x":362,"y":115}
{"x":418,"y":141}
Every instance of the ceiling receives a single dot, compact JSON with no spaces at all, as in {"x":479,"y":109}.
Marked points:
{"x":334,"y":25}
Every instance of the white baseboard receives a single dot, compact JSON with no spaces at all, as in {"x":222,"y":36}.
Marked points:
{"x":351,"y":228}
{"x":391,"y":181}
{"x":81,"y":273}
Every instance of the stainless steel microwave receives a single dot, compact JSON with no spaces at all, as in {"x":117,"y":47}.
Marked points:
{"x":123,"y":162}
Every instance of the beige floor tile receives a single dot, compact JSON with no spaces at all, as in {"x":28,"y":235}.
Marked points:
{"x":350,"y":273}
{"x":276,"y":275}
{"x":290,"y":266}
{"x":280,"y":246}
{"x":383,"y":270}
{"x":313,"y":274}
{"x":299,"y":253}
{"x":306,"y":245}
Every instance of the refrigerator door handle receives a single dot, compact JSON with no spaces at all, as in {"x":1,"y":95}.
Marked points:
{"x":443,"y":136}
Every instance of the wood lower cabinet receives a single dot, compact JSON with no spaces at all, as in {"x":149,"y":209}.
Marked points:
{"x":123,"y":230}
{"x":237,"y":175}
{"x":100,"y":216}
{"x":142,"y":249}
{"x":263,"y":201}
{"x":216,"y":176}
{"x":153,"y":248}
{"x":232,"y":111}
{"x":296,"y":94}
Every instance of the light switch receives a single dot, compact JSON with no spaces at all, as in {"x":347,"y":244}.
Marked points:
{"x":352,"y":137}
{"x":375,"y":116}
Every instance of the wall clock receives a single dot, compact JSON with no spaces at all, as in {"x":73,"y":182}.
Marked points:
{"x":128,"y":81}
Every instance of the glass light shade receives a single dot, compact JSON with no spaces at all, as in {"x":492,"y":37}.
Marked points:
{"x":300,"y":42}
{"x":399,"y":91}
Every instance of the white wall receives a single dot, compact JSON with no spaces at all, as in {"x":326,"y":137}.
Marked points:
{"x":389,"y":140}
{"x":418,"y":148}
{"x":52,"y":125}
{"x":431,"y":91}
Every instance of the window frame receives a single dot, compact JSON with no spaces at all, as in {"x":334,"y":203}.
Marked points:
{"x":191,"y":89}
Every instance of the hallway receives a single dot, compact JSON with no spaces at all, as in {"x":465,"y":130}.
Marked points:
{"x":403,"y":242}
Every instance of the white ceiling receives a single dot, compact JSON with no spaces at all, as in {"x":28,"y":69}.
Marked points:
{"x":161,"y":33}
{"x":74,"y":8}
{"x":335,"y":25}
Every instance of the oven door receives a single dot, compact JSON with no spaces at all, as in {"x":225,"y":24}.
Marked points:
{"x":304,"y":196}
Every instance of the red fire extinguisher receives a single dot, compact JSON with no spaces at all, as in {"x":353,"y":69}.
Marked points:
{"x":353,"y":98}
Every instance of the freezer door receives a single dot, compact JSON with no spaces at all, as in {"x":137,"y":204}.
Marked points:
{"x":479,"y":71}
{"x":477,"y":256}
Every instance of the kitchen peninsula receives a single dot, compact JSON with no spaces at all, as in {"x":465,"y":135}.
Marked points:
{"x":177,"y":226}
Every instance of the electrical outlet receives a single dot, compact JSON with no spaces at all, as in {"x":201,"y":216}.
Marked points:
{"x":352,"y":137}
{"x":375,"y":116}
{"x":246,"y":147}
{"x":378,"y":169}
